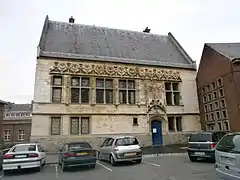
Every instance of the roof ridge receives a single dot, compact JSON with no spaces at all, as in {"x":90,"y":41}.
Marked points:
{"x":124,"y":30}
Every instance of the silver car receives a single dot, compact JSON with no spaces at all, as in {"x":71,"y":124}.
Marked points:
{"x":227,"y":154}
{"x":119,"y":149}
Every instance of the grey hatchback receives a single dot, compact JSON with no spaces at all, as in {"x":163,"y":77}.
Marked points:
{"x":228,"y":157}
{"x":119,"y":149}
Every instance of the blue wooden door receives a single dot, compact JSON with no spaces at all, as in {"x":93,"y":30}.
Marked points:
{"x":156,"y":133}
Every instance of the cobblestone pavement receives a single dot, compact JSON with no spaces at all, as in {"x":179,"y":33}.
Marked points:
{"x":155,"y":168}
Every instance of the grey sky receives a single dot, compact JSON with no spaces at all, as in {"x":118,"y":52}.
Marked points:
{"x":192,"y":22}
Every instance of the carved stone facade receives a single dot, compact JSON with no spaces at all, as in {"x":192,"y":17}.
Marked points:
{"x":113,"y":119}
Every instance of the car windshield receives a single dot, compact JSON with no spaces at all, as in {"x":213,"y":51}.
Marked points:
{"x":200,"y":138}
{"x":79,"y":146}
{"x":21,"y":148}
{"x":229,"y":143}
{"x":126,"y":141}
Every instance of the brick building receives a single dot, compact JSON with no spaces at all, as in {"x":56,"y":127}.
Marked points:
{"x":92,"y":82}
{"x":2,"y":104}
{"x":17,"y":123}
{"x":218,"y":85}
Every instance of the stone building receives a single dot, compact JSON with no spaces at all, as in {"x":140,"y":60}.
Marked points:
{"x":218,"y":85}
{"x":17,"y":123}
{"x":2,"y":104}
{"x":92,"y":82}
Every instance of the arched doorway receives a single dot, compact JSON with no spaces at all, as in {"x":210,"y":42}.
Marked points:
{"x":156,"y":128}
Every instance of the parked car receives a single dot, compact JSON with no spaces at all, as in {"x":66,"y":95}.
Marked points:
{"x":75,"y":154}
{"x":228,"y":157}
{"x":22,"y":156}
{"x":202,"y":145}
{"x":119,"y":149}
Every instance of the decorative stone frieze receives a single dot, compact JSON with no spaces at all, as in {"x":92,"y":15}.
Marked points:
{"x":120,"y":71}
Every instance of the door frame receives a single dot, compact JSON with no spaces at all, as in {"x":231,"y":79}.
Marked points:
{"x":160,"y":120}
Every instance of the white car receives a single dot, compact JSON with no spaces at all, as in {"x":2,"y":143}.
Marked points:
{"x":22,"y":156}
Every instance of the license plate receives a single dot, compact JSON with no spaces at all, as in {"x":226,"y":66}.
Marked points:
{"x":227,"y":160}
{"x":129,"y":154}
{"x":200,"y":153}
{"x":20,"y":156}
{"x":82,"y":154}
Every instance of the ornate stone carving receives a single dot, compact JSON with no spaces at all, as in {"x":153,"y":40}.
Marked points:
{"x":156,"y":108}
{"x":155,"y":89}
{"x":115,"y":71}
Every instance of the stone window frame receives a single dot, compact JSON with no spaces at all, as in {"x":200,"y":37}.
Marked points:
{"x":206,"y":116}
{"x":216,"y":115}
{"x":224,"y":102}
{"x":79,"y":124}
{"x":212,"y":116}
{"x":80,"y":87}
{"x":105,"y":90}
{"x":135,"y":121}
{"x":55,"y":86}
{"x":21,"y":135}
{"x":224,"y":125}
{"x":7,"y":136}
{"x":211,"y":107}
{"x":222,"y":114}
{"x":211,"y":124}
{"x":219,"y":94}
{"x":214,"y":85}
{"x":205,"y":99}
{"x":172,"y":91}
{"x":127,"y":90}
{"x":209,"y":95}
{"x":219,"y":82}
{"x":220,"y":126}
{"x":206,"y":108}
{"x":218,"y":106}
{"x":215,"y":95}
{"x":59,"y":131}
{"x":174,"y":118}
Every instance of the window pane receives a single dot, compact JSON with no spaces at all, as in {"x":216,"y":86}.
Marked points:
{"x":169,"y":98}
{"x":75,"y":95}
{"x":122,"y":84}
{"x":57,"y":81}
{"x":131,"y":84}
{"x":57,"y":94}
{"x":109,"y":84}
{"x":75,"y":126}
{"x":171,"y":124}
{"x":75,"y":81}
{"x":176,"y":97}
{"x":168,"y":86}
{"x":131,"y":97}
{"x":100,"y":96}
{"x":175,"y":86}
{"x":55,"y":126}
{"x":85,"y":95}
{"x":100,"y":83}
{"x":85,"y":82}
{"x":109,"y":96}
{"x":85,"y":125}
{"x":179,"y":123}
{"x":122,"y":96}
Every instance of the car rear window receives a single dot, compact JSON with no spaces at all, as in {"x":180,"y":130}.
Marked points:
{"x":200,"y":138}
{"x":229,"y":143}
{"x":21,"y":148}
{"x":79,"y":145}
{"x":127,"y":141}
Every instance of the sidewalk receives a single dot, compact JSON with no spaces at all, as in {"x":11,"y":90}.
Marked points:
{"x":52,"y":158}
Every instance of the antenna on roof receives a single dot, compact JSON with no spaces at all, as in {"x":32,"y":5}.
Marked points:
{"x":71,"y":20}
{"x":147,"y":30}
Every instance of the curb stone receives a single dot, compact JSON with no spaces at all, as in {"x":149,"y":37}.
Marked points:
{"x":144,"y":156}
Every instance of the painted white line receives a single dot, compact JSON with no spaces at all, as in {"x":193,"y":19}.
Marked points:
{"x":104,"y":166}
{"x":56,"y":168}
{"x":153,"y":164}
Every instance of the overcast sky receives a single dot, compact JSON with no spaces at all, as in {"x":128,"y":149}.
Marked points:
{"x":192,"y":22}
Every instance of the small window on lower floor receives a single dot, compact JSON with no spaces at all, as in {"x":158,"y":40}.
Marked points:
{"x":179,"y":123}
{"x":21,"y":135}
{"x":7,"y":135}
{"x":226,"y":126}
{"x":135,"y":121}
{"x":211,"y":126}
{"x":219,"y":126}
{"x":85,"y":124}
{"x":55,"y":125}
{"x":171,"y":124}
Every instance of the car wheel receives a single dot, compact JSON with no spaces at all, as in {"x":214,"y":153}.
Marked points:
{"x":44,"y":162}
{"x":93,"y":166}
{"x":112,"y":160}
{"x":193,"y":159}
{"x":139,"y":161}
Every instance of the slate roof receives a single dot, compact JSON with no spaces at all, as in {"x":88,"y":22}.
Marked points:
{"x":229,"y":50}
{"x":77,"y":41}
{"x":18,"y":108}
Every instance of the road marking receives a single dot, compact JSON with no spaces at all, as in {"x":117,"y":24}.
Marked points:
{"x":56,"y":168}
{"x":104,"y":166}
{"x":153,"y":164}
